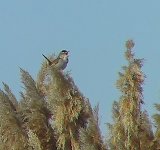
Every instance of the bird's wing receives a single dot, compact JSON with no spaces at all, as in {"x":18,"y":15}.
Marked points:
{"x":49,"y":62}
{"x":54,"y":62}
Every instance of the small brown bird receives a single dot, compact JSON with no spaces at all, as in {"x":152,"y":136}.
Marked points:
{"x":60,"y":62}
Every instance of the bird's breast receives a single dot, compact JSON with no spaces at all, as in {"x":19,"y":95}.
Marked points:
{"x":62,"y":64}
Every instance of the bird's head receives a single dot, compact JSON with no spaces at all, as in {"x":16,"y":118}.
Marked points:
{"x":63,"y":54}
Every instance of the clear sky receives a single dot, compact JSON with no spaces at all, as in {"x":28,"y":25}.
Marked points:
{"x":94,"y":31}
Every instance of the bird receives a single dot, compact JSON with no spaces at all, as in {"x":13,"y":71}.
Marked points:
{"x":60,"y":62}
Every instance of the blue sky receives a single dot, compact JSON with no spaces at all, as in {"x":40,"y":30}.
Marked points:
{"x":94,"y":31}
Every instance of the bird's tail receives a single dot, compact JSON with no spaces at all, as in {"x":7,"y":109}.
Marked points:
{"x":47,"y":59}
